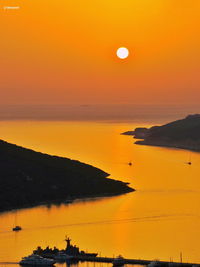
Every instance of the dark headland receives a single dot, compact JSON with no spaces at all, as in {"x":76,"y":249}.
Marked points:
{"x":184,"y":133}
{"x":29,"y":178}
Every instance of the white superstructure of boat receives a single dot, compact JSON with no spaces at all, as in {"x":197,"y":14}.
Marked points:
{"x":35,"y":260}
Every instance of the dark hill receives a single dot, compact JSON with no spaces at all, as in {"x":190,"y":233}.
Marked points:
{"x":28,"y":178}
{"x":183,"y":133}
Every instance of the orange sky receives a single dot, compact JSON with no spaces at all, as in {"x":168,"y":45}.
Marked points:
{"x":63,"y":51}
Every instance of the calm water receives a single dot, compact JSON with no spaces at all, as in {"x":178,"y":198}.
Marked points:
{"x":158,"y":221}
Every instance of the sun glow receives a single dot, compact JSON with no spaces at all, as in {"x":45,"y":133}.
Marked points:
{"x":122,"y":52}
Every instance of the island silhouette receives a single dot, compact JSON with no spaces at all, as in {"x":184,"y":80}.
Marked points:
{"x":29,"y":178}
{"x":184,"y":133}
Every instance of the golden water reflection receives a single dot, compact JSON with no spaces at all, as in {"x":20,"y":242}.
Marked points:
{"x":159,"y":220}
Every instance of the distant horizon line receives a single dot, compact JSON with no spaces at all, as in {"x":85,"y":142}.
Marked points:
{"x":97,"y":112}
{"x":99,"y":104}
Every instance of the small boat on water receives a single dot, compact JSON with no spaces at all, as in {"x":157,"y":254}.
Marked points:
{"x":119,"y":261}
{"x":189,"y":162}
{"x":17,"y":228}
{"x":36,"y":260}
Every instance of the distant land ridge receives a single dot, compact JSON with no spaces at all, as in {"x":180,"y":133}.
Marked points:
{"x":30,"y":178}
{"x":184,"y":133}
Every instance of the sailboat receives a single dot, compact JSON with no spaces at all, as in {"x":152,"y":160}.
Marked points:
{"x":16,"y":228}
{"x":189,"y":162}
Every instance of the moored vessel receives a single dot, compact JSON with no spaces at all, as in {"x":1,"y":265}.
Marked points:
{"x":70,"y":252}
{"x":75,"y":251}
{"x":36,"y":260}
{"x":61,"y":256}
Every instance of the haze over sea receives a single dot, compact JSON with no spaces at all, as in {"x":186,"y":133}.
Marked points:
{"x":158,"y":221}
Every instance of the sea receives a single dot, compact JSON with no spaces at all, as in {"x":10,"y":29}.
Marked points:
{"x":159,"y":221}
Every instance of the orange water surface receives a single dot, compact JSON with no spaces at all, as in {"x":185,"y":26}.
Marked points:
{"x":158,"y":221}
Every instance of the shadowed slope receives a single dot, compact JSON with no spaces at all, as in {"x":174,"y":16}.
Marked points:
{"x":29,"y":178}
{"x":183,"y":133}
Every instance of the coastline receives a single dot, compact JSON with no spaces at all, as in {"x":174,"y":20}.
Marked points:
{"x":181,"y":134}
{"x":162,"y":144}
{"x":31,"y":178}
{"x":68,"y":201}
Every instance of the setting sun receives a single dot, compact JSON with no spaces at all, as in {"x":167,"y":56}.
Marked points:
{"x":100,"y":133}
{"x":122,"y":52}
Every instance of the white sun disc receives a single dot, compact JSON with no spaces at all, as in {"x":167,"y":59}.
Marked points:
{"x":122,"y":52}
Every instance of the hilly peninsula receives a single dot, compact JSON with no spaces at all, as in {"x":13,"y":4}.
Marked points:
{"x":29,"y":178}
{"x":184,"y":133}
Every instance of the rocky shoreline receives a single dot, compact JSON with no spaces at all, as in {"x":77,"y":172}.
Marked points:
{"x":181,"y":134}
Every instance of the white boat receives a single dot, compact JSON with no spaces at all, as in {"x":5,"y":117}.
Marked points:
{"x":35,"y":260}
{"x":61,"y":256}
